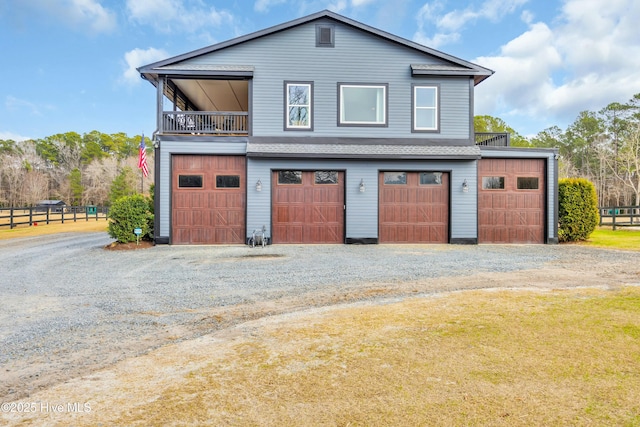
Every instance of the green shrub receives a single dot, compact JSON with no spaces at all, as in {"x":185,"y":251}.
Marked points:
{"x":577,"y":209}
{"x":128,"y":213}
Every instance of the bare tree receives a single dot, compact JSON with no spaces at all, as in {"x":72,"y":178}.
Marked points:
{"x":13,"y":173}
{"x":626,"y":167}
{"x":35,"y":187}
{"x":97,"y":179}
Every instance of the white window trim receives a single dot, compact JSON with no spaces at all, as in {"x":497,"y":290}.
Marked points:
{"x":436,"y":109}
{"x":383,"y":114}
{"x":288,"y":105}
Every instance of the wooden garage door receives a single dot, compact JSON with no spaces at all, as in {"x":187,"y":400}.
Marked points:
{"x":511,"y":207}
{"x":414,"y":207}
{"x":208,"y":199}
{"x":308,"y":207}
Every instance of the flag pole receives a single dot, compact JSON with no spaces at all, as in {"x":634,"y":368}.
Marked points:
{"x":142,"y":172}
{"x":142,"y":162}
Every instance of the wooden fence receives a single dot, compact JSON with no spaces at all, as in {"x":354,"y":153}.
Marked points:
{"x":617,"y":216}
{"x":13,"y":217}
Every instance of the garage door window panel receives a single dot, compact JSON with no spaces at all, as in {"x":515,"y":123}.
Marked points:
{"x":395,"y":178}
{"x":326,"y":177}
{"x":290,"y":177}
{"x":493,"y":182}
{"x":528,"y":183}
{"x":430,"y":178}
{"x":228,"y":181}
{"x":190,"y":181}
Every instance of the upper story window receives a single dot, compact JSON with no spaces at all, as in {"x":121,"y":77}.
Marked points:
{"x":425,"y":108}
{"x":298,"y":106}
{"x":362,"y":104}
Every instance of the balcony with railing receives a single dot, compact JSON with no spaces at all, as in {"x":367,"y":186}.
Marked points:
{"x":205,"y":122}
{"x":204,"y":105}
{"x":493,"y":139}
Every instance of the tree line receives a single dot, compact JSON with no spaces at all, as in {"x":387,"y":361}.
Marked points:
{"x":602,"y":146}
{"x":98,"y":168}
{"x":90,"y":169}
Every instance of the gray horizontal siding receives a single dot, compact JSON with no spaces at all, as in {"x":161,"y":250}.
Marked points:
{"x":358,"y":57}
{"x":362,"y":208}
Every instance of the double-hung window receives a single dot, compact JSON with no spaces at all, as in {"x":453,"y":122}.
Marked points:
{"x":298,"y":106}
{"x":425,"y":108}
{"x":362,"y":104}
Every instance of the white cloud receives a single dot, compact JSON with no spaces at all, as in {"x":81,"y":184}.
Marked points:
{"x":91,"y":11}
{"x":358,"y":3}
{"x":437,"y":40}
{"x":589,"y":58}
{"x":337,"y":6}
{"x":13,"y":136}
{"x":188,"y":16}
{"x":16,"y":104}
{"x":495,"y":10}
{"x":265,"y":5}
{"x":84,"y":15}
{"x":450,"y":24}
{"x":139,"y":57}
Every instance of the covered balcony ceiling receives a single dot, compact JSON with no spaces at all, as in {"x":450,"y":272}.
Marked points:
{"x":213,"y":95}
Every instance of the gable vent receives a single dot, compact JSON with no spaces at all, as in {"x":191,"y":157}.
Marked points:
{"x":325,"y":35}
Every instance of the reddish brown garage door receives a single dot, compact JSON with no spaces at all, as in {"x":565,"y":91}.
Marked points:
{"x":511,"y":200}
{"x":208,"y":199}
{"x":414,"y":207}
{"x":308,"y":207}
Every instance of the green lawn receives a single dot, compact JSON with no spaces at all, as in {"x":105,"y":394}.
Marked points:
{"x":605,"y":237}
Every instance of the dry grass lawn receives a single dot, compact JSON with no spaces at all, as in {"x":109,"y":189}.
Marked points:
{"x":53,"y":228}
{"x":499,"y":358}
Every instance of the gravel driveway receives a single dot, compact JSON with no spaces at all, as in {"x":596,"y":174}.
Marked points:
{"x":69,"y":306}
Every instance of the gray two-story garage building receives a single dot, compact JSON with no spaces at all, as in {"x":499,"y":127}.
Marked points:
{"x":326,"y":130}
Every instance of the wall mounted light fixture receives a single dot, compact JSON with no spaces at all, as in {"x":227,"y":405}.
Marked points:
{"x":362,"y":185}
{"x":259,"y":186}
{"x":465,"y":186}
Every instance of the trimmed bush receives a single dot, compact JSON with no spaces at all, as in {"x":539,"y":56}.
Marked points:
{"x":128,"y":213}
{"x":577,"y":209}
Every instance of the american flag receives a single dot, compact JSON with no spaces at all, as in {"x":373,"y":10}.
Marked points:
{"x":142,"y":158}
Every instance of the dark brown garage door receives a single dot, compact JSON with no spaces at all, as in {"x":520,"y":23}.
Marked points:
{"x":414,"y":207}
{"x":208,"y":199}
{"x":511,"y":206}
{"x":308,"y":207}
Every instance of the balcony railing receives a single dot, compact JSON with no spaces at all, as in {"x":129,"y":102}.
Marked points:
{"x":205,"y":122}
{"x":493,"y":139}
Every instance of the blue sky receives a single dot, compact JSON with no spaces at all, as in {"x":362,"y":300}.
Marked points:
{"x":69,"y":65}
